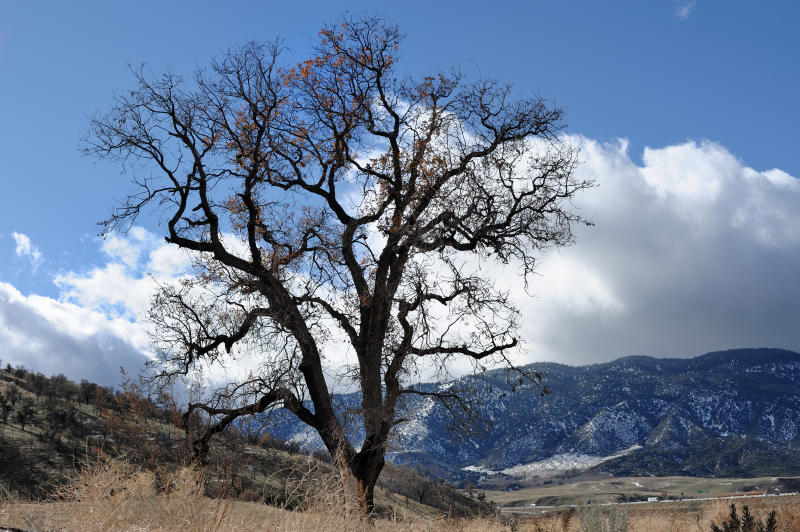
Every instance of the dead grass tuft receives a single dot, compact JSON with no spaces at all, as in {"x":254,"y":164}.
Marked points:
{"x":110,"y":494}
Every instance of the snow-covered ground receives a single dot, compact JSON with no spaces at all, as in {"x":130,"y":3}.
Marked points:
{"x":554,"y":465}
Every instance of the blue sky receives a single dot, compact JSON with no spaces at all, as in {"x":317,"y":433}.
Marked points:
{"x":708,"y":87}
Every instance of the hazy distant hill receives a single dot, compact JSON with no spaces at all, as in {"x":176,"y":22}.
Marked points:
{"x":726,"y":413}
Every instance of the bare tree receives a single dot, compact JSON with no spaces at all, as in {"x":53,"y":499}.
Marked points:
{"x":334,"y":202}
{"x":25,"y":412}
{"x":5,"y":406}
{"x":13,"y":394}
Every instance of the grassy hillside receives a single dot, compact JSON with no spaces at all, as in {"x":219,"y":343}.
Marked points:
{"x":81,"y":457}
{"x":52,"y":428}
{"x":110,"y":494}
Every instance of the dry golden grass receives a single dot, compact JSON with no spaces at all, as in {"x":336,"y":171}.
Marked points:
{"x":113,"y":495}
{"x":211,"y":515}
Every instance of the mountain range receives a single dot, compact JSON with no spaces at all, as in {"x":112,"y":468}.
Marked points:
{"x":727,"y":413}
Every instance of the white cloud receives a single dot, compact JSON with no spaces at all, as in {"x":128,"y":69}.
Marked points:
{"x":685,"y":9}
{"x":688,"y":174}
{"x":124,"y":287}
{"x":122,"y":249}
{"x":52,"y":337}
{"x":575,"y":286}
{"x":167,"y":261}
{"x":98,"y":322}
{"x":110,"y":288}
{"x":692,"y":251}
{"x":25,"y":249}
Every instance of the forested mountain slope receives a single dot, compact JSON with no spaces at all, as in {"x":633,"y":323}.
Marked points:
{"x":728,"y":413}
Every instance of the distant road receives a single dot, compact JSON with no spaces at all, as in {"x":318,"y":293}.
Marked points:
{"x":526,"y":510}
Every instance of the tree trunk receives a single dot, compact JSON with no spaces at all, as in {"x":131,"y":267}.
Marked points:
{"x":358,"y":495}
{"x":358,"y":479}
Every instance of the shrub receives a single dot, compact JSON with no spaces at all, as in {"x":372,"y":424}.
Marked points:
{"x":747,"y":522}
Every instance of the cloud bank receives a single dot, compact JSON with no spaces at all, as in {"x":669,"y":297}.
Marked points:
{"x":53,"y":337}
{"x":96,"y":325}
{"x":691,"y":251}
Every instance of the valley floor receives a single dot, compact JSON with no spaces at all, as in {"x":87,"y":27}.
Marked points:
{"x":598,"y":489}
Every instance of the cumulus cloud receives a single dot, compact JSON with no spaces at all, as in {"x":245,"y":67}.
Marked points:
{"x":25,"y":249}
{"x":97,"y":324}
{"x":127,"y":249}
{"x":692,"y":251}
{"x":126,"y":283}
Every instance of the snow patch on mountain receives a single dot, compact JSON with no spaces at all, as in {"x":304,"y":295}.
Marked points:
{"x":417,"y":427}
{"x":554,"y":465}
{"x":615,"y":426}
{"x":307,"y":438}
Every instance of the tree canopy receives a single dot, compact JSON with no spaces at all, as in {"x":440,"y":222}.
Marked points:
{"x":337,"y":200}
